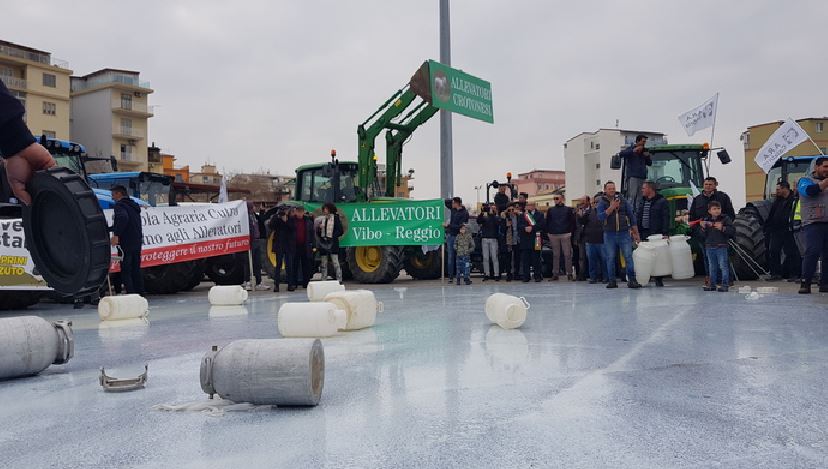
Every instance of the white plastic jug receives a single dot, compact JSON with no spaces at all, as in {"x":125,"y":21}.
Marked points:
{"x":133,"y":306}
{"x":318,"y":290}
{"x":310,"y":319}
{"x":509,"y":312}
{"x":682,"y":258}
{"x":227,"y":295}
{"x":663,"y":264}
{"x":360,"y":306}
{"x":644,"y":257}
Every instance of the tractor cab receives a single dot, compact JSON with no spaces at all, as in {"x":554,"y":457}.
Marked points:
{"x":328,"y":182}
{"x":789,"y":169}
{"x":151,"y":188}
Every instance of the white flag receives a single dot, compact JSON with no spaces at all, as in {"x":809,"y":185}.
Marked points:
{"x":701,"y":117}
{"x":786,"y":137}
{"x":223,"y":192}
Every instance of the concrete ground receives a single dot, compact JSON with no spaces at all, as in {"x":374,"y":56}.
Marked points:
{"x":670,"y":377}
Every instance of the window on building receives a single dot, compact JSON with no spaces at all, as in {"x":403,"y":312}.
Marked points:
{"x":598,"y":182}
{"x":597,"y":165}
{"x":597,"y":146}
{"x":824,"y":150}
{"x":126,"y":101}
{"x":820,"y":127}
{"x":49,"y":134}
{"x":49,"y":108}
{"x":126,"y":152}
{"x":20,"y":96}
{"x":49,"y":80}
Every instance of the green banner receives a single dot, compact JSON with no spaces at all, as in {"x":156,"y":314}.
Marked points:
{"x":397,"y":223}
{"x":460,"y":92}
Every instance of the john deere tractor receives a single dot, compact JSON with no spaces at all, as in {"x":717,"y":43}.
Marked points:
{"x":343,"y":182}
{"x":675,"y":170}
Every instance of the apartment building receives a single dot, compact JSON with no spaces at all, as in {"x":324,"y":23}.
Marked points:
{"x":41,"y":83}
{"x":540,"y":181}
{"x":756,"y":135}
{"x":110,"y":116}
{"x":587,"y":158}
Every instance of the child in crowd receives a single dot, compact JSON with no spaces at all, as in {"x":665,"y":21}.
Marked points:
{"x":717,"y":229}
{"x":463,"y":246}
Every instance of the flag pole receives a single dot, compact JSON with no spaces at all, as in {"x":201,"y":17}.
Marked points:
{"x":715,"y":114}
{"x":809,"y":138}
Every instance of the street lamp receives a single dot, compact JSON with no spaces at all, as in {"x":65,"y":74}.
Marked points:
{"x":477,"y":188}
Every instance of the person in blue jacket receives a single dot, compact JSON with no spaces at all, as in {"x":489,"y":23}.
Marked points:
{"x":813,"y":200}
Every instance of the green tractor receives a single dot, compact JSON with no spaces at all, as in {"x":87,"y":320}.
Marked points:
{"x":676,"y":169}
{"x":344,"y":182}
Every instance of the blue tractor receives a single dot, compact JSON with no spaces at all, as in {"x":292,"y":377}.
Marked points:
{"x":750,"y":235}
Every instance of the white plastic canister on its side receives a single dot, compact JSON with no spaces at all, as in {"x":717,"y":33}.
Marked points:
{"x":310,"y":319}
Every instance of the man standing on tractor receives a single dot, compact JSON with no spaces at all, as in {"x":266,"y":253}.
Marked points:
{"x":501,"y":200}
{"x":637,"y":158}
{"x":618,"y":217}
{"x":778,"y":231}
{"x":652,"y":216}
{"x":459,"y":217}
{"x":813,"y":193}
{"x":698,"y":211}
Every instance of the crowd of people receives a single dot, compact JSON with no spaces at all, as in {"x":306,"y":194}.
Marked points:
{"x":591,"y":241}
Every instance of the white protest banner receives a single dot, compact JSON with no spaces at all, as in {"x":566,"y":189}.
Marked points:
{"x":17,"y":270}
{"x":185,"y":233}
{"x":786,"y":137}
{"x":701,"y":117}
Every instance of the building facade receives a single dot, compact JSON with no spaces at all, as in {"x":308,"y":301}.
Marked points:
{"x":168,"y":168}
{"x":587,"y":158}
{"x":41,"y":83}
{"x":756,"y":135}
{"x":110,"y":116}
{"x":540,"y":181}
{"x":208,"y":175}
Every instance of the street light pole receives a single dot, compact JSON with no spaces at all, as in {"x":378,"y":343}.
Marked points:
{"x":446,"y":157}
{"x":477,"y":188}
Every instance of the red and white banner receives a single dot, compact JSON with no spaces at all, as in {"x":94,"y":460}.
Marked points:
{"x":189,"y":232}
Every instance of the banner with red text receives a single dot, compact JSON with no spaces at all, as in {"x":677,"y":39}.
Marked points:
{"x":189,"y":232}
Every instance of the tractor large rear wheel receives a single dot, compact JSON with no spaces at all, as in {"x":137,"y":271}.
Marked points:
{"x":422,"y":266}
{"x":375,"y":264}
{"x":227,"y":269}
{"x":169,"y":278}
{"x":750,"y":238}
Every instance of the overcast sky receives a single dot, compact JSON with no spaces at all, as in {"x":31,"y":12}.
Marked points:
{"x":274,"y":84}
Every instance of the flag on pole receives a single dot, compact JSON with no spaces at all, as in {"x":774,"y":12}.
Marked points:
{"x":222,"y":198}
{"x":786,"y":137}
{"x":701,"y":117}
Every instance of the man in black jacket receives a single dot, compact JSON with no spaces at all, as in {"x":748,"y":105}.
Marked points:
{"x":781,"y":239}
{"x":284,"y":246}
{"x":653,"y":216}
{"x":18,"y":147}
{"x":304,"y":242}
{"x":593,"y":229}
{"x":459,"y":217}
{"x":530,"y":228}
{"x":698,"y":209}
{"x":501,"y":199}
{"x":128,"y":233}
{"x":490,"y":231}
{"x":635,"y":172}
{"x":560,"y":224}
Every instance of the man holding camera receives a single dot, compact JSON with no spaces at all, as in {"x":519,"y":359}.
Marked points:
{"x":618,"y":217}
{"x":490,"y":227}
{"x":637,"y":158}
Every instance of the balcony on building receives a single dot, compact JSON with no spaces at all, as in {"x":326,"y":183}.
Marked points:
{"x":13,"y":83}
{"x":125,"y":79}
{"x":127,"y":133}
{"x":128,"y":108}
{"x":18,"y":52}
